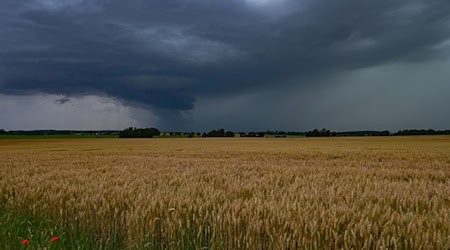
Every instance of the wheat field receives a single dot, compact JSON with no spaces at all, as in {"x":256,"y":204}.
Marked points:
{"x":233,"y":193}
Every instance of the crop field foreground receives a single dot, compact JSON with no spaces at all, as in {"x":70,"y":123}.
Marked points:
{"x":230,"y":193}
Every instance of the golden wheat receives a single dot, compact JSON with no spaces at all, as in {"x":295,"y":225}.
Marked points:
{"x":238,"y":193}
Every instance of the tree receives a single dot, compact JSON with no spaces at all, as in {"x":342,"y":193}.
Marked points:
{"x":318,"y":133}
{"x":2,"y":132}
{"x":251,"y":134}
{"x":229,"y":134}
{"x":215,"y":133}
{"x":385,"y":133}
{"x":139,"y":133}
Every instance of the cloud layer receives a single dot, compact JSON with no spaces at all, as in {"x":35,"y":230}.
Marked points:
{"x":170,"y":56}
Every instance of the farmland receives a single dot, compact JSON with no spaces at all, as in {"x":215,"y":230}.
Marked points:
{"x":229,"y":193}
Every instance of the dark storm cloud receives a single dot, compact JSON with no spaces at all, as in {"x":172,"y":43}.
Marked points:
{"x":165,"y":54}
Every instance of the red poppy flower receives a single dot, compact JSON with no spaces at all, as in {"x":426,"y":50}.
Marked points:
{"x":25,"y":242}
{"x":54,"y":239}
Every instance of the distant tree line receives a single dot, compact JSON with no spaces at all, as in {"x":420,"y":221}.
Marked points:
{"x":275,"y":133}
{"x":151,"y":132}
{"x":139,"y":133}
{"x":328,"y":133}
{"x":58,"y":132}
{"x":364,"y":133}
{"x":283,"y":133}
{"x":320,"y":133}
{"x":252,"y":134}
{"x":219,"y":133}
{"x":423,"y":132}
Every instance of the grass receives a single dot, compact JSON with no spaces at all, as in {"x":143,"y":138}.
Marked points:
{"x":16,"y":226}
{"x":228,"y":193}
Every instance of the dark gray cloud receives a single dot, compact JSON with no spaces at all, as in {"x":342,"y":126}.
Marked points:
{"x":166,"y":55}
{"x":62,"y":100}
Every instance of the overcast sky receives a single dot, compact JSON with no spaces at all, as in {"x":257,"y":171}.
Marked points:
{"x":238,"y":64}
